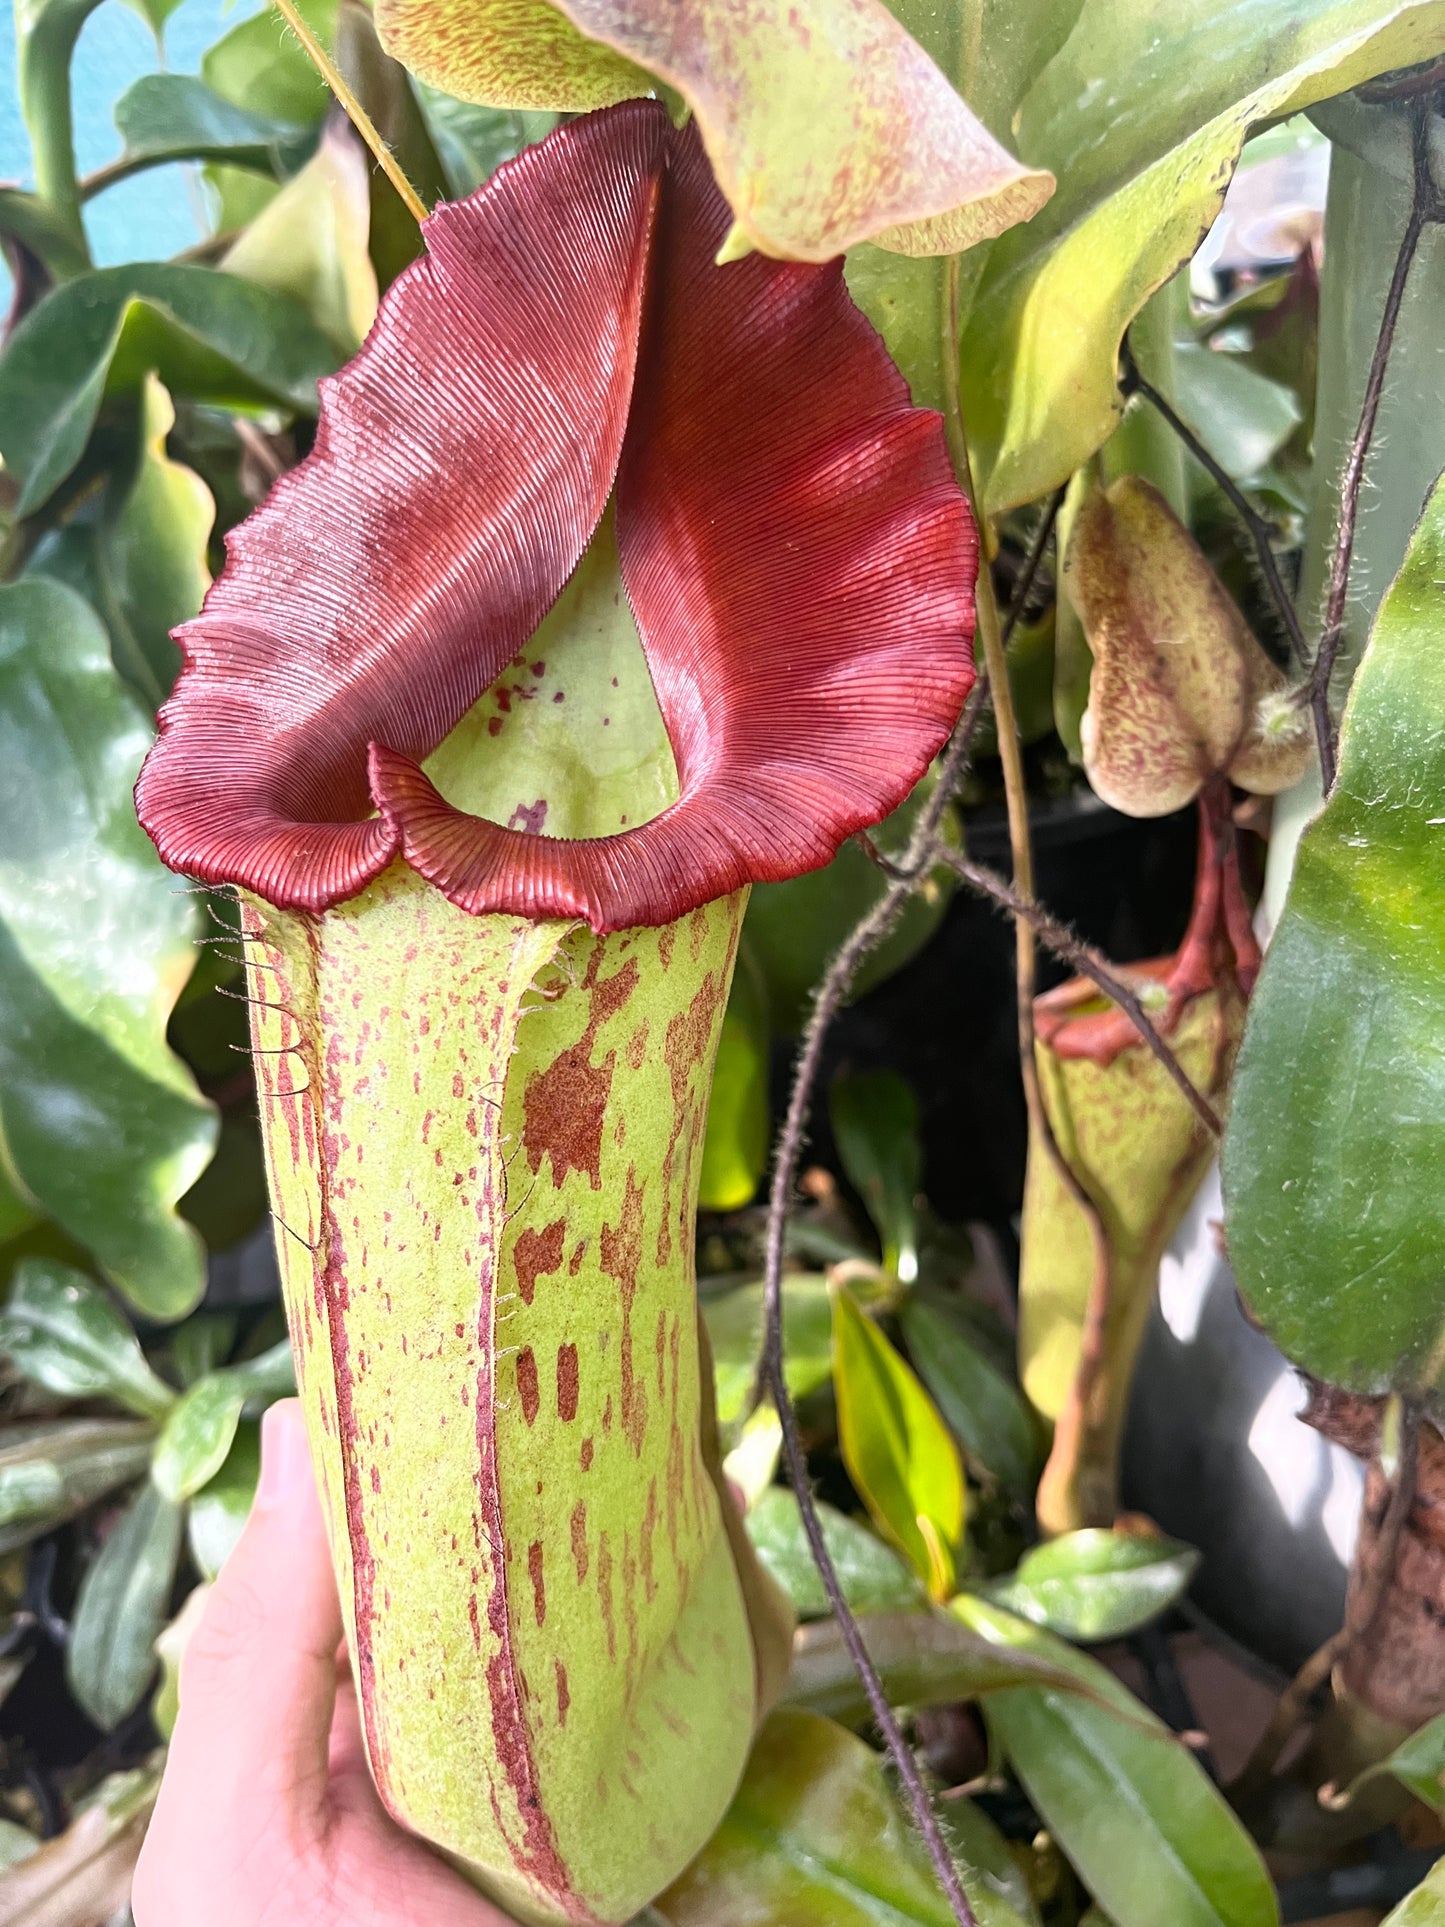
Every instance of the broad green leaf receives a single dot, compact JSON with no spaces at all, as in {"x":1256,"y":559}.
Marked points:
{"x":825,"y":123}
{"x":1425,"y":1907}
{"x":153,"y":553}
{"x":875,"y":1126}
{"x":984,"y":1408}
{"x":51,"y":1469}
{"x":309,"y":243}
{"x":64,"y":1333}
{"x":177,"y":117}
{"x":102,"y":1123}
{"x":898,"y":1451}
{"x":473,"y":141}
{"x":815,"y":1838}
{"x":1096,"y":1584}
{"x":735,"y":1327}
{"x":735,"y":1150}
{"x":197,"y":1434}
{"x":923,"y":1659}
{"x":171,"y":1644}
{"x":211,"y":337}
{"x":121,"y":1608}
{"x":1242,"y":417}
{"x":260,"y":65}
{"x":795,"y":929}
{"x":1337,"y":1122}
{"x":1142,"y":128}
{"x":1150,"y":1836}
{"x":217,"y":1515}
{"x":872,"y":1576}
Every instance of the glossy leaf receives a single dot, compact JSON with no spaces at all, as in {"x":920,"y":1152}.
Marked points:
{"x":898,"y":1451}
{"x":209,"y":336}
{"x":122,"y":1606}
{"x":872,"y":1576}
{"x":1425,"y":1907}
{"x":815,"y":1838}
{"x":64,"y":1333}
{"x":1150,"y":1836}
{"x":1142,"y":129}
{"x":197,"y":1435}
{"x":795,"y":929}
{"x":1181,"y":690}
{"x":153,"y":554}
{"x":177,"y":117}
{"x":735,"y":1327}
{"x":825,"y":123}
{"x":735,"y":1150}
{"x":875,"y":1126}
{"x":1097,"y":1584}
{"x":101,"y":1122}
{"x":1337,"y":1123}
{"x":51,"y":1469}
{"x":216,"y":1516}
{"x":310,"y":243}
{"x":982,"y":1406}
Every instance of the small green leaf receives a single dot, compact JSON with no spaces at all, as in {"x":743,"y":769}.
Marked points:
{"x":873,"y":1577}
{"x":52,"y":1469}
{"x":1425,"y":1907}
{"x":65,"y":1334}
{"x":268,"y":1376}
{"x":101,"y":1122}
{"x":898,"y":1451}
{"x":1149,"y":1835}
{"x":218,"y":1513}
{"x":201,"y":1344}
{"x":1095,"y":1584}
{"x":121,"y":1608}
{"x":197,"y":1435}
{"x":815,"y":1838}
{"x":176,"y":117}
{"x":1418,"y":1763}
{"x":735,"y":1328}
{"x":735,"y":1150}
{"x":984,"y":1409}
{"x":875,"y":1125}
{"x":1242,"y":417}
{"x":212,"y":337}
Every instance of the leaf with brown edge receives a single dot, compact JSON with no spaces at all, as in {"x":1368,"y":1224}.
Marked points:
{"x":1181,"y":690}
{"x":826,"y":123}
{"x":796,"y":561}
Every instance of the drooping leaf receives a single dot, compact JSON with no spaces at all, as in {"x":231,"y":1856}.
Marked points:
{"x":152,"y":554}
{"x":825,"y":123}
{"x":872,"y":1576}
{"x":101,"y":1122}
{"x":983,"y":1407}
{"x":212,"y":337}
{"x":1142,"y":130}
{"x":197,"y":1435}
{"x":814,"y":1837}
{"x":122,"y":1606}
{"x":310,"y":242}
{"x":735,"y":1150}
{"x":1337,"y":1122}
{"x":177,"y":117}
{"x":735,"y":1328}
{"x":898,"y":1451}
{"x":1150,"y":1836}
{"x":51,"y":1469}
{"x":216,"y":1516}
{"x":875,"y":1126}
{"x":1096,"y":1584}
{"x":64,"y":1333}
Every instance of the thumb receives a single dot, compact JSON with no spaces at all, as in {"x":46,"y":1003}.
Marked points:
{"x":258,"y":1680}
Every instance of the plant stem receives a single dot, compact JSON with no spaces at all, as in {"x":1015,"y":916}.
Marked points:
{"x":354,"y":110}
{"x":1425,"y":208}
{"x":45,"y":41}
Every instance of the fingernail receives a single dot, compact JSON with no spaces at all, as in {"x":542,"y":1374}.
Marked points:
{"x":285,"y":1455}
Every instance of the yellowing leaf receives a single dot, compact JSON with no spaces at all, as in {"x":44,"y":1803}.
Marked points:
{"x":826,"y":124}
{"x":1181,"y":691}
{"x":898,"y":1451}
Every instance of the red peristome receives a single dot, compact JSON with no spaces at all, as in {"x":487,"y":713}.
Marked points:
{"x":798,"y":556}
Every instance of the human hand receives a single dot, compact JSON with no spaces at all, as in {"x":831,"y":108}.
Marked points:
{"x":267,"y":1815}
